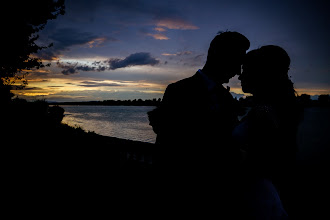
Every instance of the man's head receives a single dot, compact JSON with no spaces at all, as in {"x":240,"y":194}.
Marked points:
{"x":225,"y":56}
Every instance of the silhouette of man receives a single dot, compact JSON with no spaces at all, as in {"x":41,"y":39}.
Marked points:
{"x":197,"y":114}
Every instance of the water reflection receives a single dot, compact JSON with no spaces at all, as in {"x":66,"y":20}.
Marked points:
{"x":127,"y":122}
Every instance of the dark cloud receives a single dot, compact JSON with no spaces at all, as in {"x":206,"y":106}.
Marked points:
{"x":136,"y":59}
{"x":70,"y":68}
{"x":125,"y":13}
{"x":64,"y":38}
{"x":47,"y":54}
{"x":101,"y":68}
{"x":186,"y":58}
{"x":96,"y":63}
{"x":87,"y":9}
{"x":40,"y":74}
{"x":85,"y":68}
{"x":69,"y":71}
{"x":14,"y":87}
{"x":67,"y":37}
{"x":97,"y":84}
{"x":155,"y":9}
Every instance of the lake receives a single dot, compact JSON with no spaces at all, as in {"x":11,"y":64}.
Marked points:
{"x":313,"y":136}
{"x":127,"y":122}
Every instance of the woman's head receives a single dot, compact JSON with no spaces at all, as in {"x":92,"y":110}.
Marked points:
{"x":265,"y":72}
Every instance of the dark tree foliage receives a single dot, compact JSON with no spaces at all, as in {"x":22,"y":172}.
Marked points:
{"x":20,"y":23}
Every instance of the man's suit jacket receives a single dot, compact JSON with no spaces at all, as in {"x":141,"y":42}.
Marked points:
{"x":191,"y":123}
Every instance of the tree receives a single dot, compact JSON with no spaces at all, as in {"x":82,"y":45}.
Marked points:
{"x":324,"y":100}
{"x":305,"y":99}
{"x":20,"y":24}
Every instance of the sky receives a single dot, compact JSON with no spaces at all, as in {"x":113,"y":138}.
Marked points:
{"x":131,"y":49}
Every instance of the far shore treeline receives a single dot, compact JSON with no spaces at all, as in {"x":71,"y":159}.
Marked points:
{"x":135,"y":102}
{"x":304,"y":100}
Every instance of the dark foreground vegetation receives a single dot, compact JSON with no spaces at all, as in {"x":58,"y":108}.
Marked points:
{"x":61,"y":166}
{"x":33,"y":133}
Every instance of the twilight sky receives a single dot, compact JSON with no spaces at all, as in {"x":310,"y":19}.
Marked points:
{"x":130,"y":49}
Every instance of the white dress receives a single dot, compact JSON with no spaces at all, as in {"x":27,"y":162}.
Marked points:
{"x":260,"y":198}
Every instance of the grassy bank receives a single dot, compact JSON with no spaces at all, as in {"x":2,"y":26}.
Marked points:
{"x":33,"y":131}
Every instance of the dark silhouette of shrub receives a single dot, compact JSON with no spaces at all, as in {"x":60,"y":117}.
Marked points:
{"x":55,"y":114}
{"x":22,"y":21}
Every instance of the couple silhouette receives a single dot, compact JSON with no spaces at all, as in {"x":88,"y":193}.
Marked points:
{"x":201,"y":144}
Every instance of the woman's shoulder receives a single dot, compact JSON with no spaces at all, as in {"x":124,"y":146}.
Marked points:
{"x":263,"y":116}
{"x":262,"y":109}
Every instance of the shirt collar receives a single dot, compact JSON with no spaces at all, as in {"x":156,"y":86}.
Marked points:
{"x":210,"y":84}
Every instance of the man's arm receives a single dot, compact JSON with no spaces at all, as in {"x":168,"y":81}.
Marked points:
{"x":160,"y":118}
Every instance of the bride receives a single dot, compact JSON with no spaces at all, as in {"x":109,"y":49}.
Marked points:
{"x":267,"y":135}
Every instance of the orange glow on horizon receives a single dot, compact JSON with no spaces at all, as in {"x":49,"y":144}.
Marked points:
{"x":313,"y":91}
{"x":300,"y":91}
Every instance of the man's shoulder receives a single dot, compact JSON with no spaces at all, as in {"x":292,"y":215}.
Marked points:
{"x":186,"y":83}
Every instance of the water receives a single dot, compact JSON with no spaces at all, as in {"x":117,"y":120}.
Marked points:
{"x":127,"y":122}
{"x":313,"y":135}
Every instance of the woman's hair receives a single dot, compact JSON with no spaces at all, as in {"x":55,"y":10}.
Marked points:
{"x":270,"y":71}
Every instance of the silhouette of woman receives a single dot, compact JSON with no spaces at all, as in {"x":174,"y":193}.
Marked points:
{"x":267,"y":135}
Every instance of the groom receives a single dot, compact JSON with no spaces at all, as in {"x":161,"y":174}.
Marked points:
{"x":197,"y":114}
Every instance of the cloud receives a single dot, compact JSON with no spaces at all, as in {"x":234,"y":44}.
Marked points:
{"x":97,"y":84}
{"x":185,"y":58}
{"x":175,"y":23}
{"x":97,"y":42}
{"x":161,"y":13}
{"x":67,"y":37}
{"x":178,"y":53}
{"x":159,"y":29}
{"x":136,"y":59}
{"x":169,"y":23}
{"x":64,"y":39}
{"x":69,"y":68}
{"x":158,"y":36}
{"x":85,"y":68}
{"x":69,"y":71}
{"x":14,"y":87}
